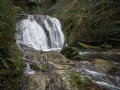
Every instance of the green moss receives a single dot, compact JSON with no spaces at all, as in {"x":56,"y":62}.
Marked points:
{"x":76,"y":79}
{"x":113,"y":69}
{"x":80,"y":81}
{"x":40,"y":67}
{"x":44,"y":68}
{"x":87,"y":46}
{"x":106,"y":46}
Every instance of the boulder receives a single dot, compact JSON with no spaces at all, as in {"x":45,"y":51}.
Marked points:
{"x":36,"y":82}
{"x":105,"y":66}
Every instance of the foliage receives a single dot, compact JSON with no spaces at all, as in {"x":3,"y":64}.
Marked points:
{"x":7,"y":24}
{"x":80,"y":81}
{"x":11,"y":63}
{"x":89,"y":21}
{"x":71,"y":53}
{"x":11,"y":68}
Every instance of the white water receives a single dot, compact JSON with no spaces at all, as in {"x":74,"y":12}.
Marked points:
{"x":109,"y":86}
{"x":28,"y":70}
{"x":40,"y":32}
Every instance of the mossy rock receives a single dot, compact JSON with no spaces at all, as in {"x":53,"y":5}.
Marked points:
{"x":71,"y":53}
{"x":105,"y":66}
{"x":37,"y":81}
{"x":83,"y":45}
{"x":39,"y":67}
{"x":106,"y":46}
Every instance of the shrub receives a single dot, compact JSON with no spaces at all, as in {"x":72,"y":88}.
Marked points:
{"x":71,"y":53}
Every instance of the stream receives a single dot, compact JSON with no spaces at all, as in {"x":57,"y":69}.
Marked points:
{"x":110,"y":82}
{"x":38,"y":33}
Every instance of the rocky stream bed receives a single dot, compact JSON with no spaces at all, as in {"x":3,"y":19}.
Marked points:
{"x":52,"y":71}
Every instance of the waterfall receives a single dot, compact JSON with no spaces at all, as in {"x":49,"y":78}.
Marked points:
{"x":40,"y":32}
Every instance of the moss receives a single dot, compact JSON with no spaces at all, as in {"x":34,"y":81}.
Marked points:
{"x":44,"y":68}
{"x":39,"y":67}
{"x":106,"y":46}
{"x":87,"y":46}
{"x":80,"y":81}
{"x":113,"y":69}
{"x":71,"y":53}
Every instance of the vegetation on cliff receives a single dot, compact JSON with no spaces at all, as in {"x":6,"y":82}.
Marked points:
{"x":89,"y":21}
{"x":11,"y":63}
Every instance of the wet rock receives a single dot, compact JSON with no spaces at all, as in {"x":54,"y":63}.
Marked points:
{"x":39,"y":67}
{"x":36,"y":82}
{"x":105,"y":66}
{"x":57,"y":72}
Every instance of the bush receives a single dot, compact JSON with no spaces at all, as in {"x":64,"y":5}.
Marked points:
{"x":71,"y":53}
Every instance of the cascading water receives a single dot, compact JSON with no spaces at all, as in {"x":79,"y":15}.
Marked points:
{"x":101,"y":79}
{"x":40,"y":32}
{"x":107,"y":81}
{"x":44,"y":33}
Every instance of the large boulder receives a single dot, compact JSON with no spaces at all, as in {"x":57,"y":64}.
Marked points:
{"x":36,"y":82}
{"x":105,"y":66}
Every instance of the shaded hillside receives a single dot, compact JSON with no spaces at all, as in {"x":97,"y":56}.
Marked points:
{"x":11,"y":63}
{"x":89,"y":21}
